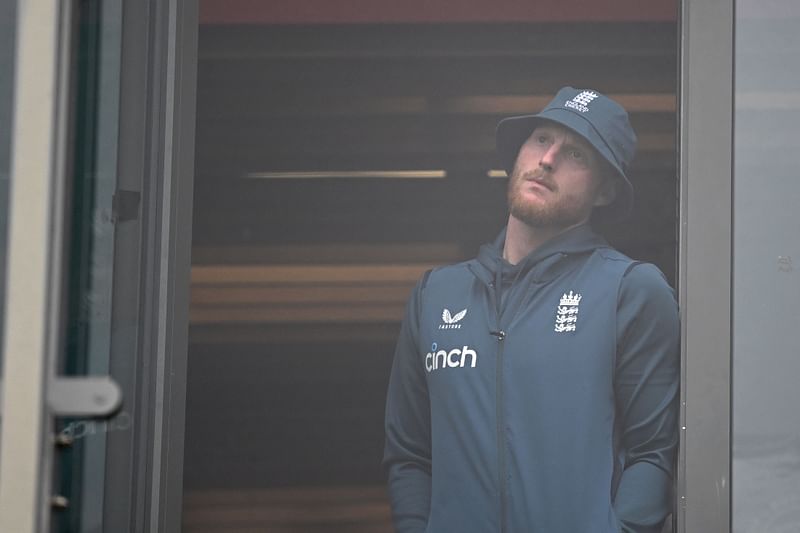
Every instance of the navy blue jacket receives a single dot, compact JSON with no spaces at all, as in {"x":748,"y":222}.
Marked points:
{"x":537,"y":397}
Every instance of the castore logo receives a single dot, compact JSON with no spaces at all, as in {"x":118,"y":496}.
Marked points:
{"x":450,"y":321}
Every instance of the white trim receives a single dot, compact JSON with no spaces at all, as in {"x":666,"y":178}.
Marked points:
{"x":37,"y":176}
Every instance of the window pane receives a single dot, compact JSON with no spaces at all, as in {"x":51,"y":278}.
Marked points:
{"x":766,"y":418}
{"x":96,"y":224}
{"x":334,"y":165}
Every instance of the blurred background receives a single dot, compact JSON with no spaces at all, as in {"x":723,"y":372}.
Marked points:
{"x":342,"y":149}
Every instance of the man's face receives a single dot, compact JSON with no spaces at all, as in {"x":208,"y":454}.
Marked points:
{"x":557,"y":180}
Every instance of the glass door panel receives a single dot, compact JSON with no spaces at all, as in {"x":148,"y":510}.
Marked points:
{"x":92,"y":219}
{"x":766,"y":261}
{"x":335,"y":165}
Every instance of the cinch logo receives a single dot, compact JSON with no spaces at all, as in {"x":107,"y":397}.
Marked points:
{"x":581,"y":101}
{"x":450,"y":322}
{"x":436,"y":359}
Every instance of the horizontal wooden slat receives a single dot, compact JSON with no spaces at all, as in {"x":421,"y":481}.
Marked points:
{"x":345,"y":527}
{"x":235,"y":334}
{"x":310,"y":313}
{"x":348,"y":174}
{"x":634,"y":103}
{"x":295,"y":513}
{"x":299,"y":510}
{"x":327,"y":253}
{"x":611,"y":40}
{"x":222,"y":294}
{"x":417,"y":105}
{"x":271,"y":496}
{"x":284,"y":274}
{"x":299,"y":295}
{"x":246,"y":150}
{"x":247,"y":12}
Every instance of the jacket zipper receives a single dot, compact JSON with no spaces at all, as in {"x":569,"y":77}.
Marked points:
{"x":501,"y":423}
{"x":500,"y":334}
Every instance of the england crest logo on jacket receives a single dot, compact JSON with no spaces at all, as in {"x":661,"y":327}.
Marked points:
{"x":567,"y":312}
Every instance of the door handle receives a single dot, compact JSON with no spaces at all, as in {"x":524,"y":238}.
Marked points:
{"x":82,"y":396}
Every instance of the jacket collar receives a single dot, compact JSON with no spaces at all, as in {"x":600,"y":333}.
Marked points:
{"x":543,"y":261}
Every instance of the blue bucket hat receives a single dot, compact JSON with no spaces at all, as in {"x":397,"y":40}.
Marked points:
{"x":601,"y":121}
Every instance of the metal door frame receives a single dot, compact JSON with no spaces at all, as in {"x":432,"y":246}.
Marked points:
{"x":705,"y":273}
{"x":34,"y":258}
{"x":168,"y":169}
{"x":157,"y":148}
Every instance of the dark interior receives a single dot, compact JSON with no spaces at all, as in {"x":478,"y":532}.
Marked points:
{"x":299,"y":283}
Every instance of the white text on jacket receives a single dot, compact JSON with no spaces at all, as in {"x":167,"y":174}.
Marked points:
{"x":456,"y":358}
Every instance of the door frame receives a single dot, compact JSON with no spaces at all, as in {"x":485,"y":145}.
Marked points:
{"x":34,"y":257}
{"x":156,"y":154}
{"x":159,"y":83}
{"x":705,"y":268}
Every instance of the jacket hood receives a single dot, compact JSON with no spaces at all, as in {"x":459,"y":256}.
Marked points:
{"x":544,"y":260}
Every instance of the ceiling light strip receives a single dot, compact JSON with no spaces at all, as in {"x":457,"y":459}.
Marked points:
{"x":339,"y":174}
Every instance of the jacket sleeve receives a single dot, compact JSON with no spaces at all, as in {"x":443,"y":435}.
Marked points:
{"x":407,"y":453}
{"x":646,"y":386}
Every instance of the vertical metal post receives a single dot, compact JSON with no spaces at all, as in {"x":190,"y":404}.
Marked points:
{"x":174,"y":265}
{"x":34,"y":250}
{"x":706,"y":152}
{"x":171,"y":178}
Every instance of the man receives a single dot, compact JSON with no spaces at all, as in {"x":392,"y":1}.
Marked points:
{"x":534,"y":388}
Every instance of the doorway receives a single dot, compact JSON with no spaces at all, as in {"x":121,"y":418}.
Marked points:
{"x":335,"y":164}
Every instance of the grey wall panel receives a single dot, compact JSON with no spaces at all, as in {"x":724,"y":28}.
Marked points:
{"x":766,"y":315}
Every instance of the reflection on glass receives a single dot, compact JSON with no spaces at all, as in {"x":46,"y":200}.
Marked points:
{"x":766,"y":360}
{"x":81,"y":468}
